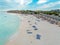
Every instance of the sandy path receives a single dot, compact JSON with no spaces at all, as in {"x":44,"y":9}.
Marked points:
{"x":50,"y":33}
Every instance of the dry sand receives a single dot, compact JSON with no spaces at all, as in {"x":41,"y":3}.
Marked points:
{"x":50,"y":33}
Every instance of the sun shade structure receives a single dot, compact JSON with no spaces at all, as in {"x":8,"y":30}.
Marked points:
{"x":29,"y":32}
{"x":35,"y":28}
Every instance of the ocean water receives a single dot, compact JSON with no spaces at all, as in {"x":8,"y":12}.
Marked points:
{"x":9,"y":24}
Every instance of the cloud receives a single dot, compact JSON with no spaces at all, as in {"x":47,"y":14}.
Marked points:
{"x":49,"y":5}
{"x":23,"y":2}
{"x":20,"y":2}
{"x":42,"y":1}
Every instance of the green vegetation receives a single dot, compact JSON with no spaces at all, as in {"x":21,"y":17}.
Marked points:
{"x":52,"y":12}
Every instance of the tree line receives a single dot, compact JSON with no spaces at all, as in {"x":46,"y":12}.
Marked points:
{"x":52,"y":12}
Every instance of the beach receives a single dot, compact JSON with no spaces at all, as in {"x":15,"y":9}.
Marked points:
{"x":31,"y":27}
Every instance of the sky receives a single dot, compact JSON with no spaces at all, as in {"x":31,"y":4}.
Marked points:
{"x":29,"y":4}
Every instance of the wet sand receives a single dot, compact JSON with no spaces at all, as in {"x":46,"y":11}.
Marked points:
{"x":49,"y":33}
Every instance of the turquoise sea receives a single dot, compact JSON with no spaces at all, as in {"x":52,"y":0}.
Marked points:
{"x":9,"y":24}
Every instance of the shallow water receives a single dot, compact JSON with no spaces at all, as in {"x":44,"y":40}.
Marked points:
{"x":9,"y":24}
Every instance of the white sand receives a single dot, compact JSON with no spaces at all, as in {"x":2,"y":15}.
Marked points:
{"x":50,"y":33}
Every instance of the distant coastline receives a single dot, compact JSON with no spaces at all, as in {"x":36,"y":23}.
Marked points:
{"x":37,"y":13}
{"x":51,"y":12}
{"x":51,"y":16}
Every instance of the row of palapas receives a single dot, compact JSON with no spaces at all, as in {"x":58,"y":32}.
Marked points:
{"x":51,"y":18}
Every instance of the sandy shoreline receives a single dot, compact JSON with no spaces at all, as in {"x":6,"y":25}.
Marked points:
{"x":49,"y":32}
